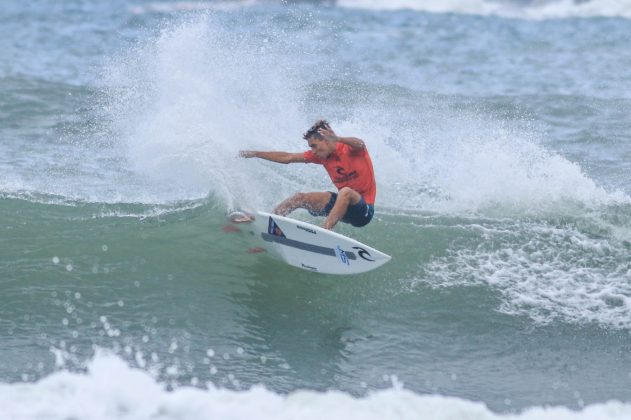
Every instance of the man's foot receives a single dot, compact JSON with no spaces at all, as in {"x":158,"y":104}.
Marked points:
{"x":240,"y":217}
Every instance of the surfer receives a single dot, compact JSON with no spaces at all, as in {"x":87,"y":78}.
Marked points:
{"x":347,"y":162}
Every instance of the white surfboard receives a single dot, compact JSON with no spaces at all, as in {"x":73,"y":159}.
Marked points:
{"x":311,"y":247}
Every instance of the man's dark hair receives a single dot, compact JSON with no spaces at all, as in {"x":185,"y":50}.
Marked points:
{"x":313,"y":131}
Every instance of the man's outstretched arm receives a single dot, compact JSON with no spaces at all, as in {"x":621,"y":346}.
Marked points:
{"x":279,"y":157}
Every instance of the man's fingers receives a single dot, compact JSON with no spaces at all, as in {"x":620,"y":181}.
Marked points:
{"x":324,"y":132}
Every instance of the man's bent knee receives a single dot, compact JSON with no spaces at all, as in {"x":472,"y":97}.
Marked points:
{"x":299,"y":196}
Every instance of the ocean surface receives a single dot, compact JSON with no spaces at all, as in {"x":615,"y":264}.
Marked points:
{"x":500,"y":133}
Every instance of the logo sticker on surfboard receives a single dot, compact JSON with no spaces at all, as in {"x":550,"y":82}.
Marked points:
{"x":273,"y":229}
{"x":339,"y":252}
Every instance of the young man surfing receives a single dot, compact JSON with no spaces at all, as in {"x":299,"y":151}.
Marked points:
{"x":348,"y":164}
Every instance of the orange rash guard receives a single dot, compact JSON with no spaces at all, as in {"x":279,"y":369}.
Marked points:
{"x":349,"y":168}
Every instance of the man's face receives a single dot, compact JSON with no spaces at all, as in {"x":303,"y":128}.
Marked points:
{"x":320,"y":147}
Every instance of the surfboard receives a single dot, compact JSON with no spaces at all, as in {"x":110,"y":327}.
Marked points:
{"x":309,"y":247}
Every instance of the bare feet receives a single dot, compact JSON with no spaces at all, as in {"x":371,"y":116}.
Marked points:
{"x":240,"y":217}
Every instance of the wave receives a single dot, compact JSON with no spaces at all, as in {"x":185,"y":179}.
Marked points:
{"x":218,"y":5}
{"x":525,"y":9}
{"x":176,"y":108}
{"x":534,"y":9}
{"x":548,"y":268}
{"x":111,"y":389}
{"x":189,"y":6}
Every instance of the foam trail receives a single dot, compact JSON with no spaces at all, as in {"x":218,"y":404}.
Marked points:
{"x":112,"y":390}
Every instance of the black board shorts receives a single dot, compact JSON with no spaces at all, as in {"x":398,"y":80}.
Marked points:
{"x":357,"y":215}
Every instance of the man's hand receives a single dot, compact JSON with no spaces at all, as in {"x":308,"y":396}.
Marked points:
{"x":328,"y":135}
{"x":247,"y":153}
{"x":279,"y":157}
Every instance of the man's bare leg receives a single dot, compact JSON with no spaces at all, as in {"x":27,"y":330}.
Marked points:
{"x":345,"y":198}
{"x":315,"y":201}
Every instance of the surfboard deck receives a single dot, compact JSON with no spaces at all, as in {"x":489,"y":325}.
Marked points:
{"x":309,"y":247}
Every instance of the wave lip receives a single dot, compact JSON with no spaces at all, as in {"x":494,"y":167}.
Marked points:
{"x":110,"y":389}
{"x":535,"y":9}
{"x":189,"y":6}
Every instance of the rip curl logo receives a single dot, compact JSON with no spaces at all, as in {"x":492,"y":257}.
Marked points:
{"x":342,"y":255}
{"x":343,"y":176}
{"x":363,"y":253}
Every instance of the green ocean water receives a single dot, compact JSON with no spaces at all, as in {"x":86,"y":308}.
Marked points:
{"x":179,"y":297}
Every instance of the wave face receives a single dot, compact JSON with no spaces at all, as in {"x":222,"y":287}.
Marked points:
{"x":502,"y":162}
{"x":522,"y":9}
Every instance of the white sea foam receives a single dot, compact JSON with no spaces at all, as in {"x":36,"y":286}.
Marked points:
{"x":544,"y":272}
{"x":112,"y":390}
{"x":553,"y":9}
